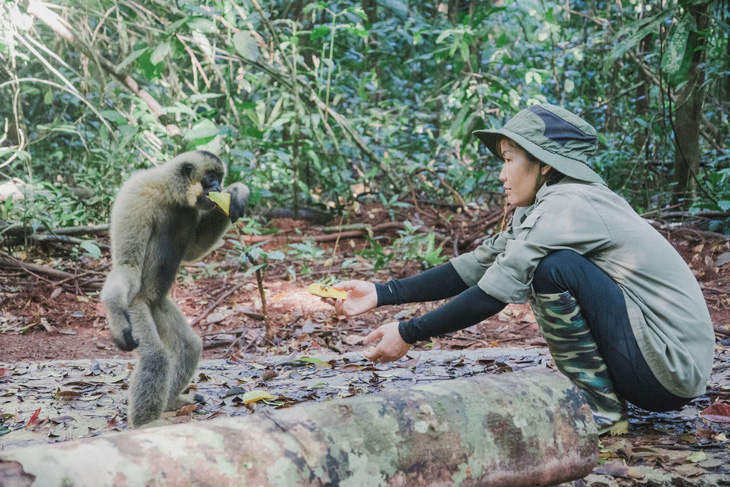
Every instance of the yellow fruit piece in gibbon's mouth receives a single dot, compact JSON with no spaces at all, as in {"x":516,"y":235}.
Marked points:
{"x":326,"y":291}
{"x":223,"y":200}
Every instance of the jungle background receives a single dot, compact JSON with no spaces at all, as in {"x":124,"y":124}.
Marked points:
{"x":351,"y":123}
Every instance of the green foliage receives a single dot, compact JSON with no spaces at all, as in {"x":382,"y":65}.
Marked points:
{"x":305,"y":254}
{"x":48,"y":206}
{"x":410,"y":246}
{"x":376,"y":253}
{"x":718,"y":183}
{"x":418,"y":247}
{"x":680,"y":47}
{"x":406,"y":90}
{"x":90,"y":249}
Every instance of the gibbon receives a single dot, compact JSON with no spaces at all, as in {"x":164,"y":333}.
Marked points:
{"x":161,"y":217}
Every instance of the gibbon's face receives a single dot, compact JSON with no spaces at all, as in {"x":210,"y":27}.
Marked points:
{"x":211,"y":182}
{"x":202,"y":172}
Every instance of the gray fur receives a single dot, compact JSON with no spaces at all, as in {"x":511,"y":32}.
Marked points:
{"x":160,"y":218}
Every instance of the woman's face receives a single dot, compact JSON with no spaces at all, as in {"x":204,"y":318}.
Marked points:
{"x":520,"y":175}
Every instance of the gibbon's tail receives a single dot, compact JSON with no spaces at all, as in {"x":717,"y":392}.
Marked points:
{"x":121,"y":285}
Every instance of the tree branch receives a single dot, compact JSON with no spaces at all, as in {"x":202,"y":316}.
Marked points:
{"x":38,"y":9}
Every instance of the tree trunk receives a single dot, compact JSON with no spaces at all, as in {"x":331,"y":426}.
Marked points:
{"x":506,"y":430}
{"x":725,"y":88}
{"x":454,"y":6}
{"x":370,"y":7}
{"x":642,"y":98}
{"x":690,"y":101}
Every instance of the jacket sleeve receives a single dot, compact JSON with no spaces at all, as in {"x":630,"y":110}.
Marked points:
{"x":561,"y":221}
{"x":471,"y":266}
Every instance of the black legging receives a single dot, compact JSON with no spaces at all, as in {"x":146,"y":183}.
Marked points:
{"x":604,"y":309}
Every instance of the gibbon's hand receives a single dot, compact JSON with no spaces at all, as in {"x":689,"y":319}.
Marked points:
{"x":239,"y":200}
{"x":391,"y":346}
{"x":361,"y":297}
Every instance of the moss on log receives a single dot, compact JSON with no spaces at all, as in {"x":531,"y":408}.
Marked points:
{"x":506,"y":430}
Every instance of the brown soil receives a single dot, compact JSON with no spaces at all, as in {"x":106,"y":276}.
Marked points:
{"x":42,"y":320}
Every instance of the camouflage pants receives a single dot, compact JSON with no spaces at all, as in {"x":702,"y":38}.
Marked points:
{"x":576,"y":355}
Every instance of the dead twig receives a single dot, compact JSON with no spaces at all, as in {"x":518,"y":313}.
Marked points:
{"x":676,"y":229}
{"x":722,"y":290}
{"x":49,"y":238}
{"x":215,"y":304}
{"x":442,"y":180}
{"x":250,"y":239}
{"x":250,"y":344}
{"x":483,"y":225}
{"x":722,"y":330}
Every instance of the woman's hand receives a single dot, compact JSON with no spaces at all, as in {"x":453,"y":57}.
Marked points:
{"x":361,"y":297}
{"x":391,"y":346}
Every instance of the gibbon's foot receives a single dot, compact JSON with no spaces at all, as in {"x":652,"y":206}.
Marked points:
{"x":155,"y":424}
{"x":185,"y":400}
{"x":129,"y":343}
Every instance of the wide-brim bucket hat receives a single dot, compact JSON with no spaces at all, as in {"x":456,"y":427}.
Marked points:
{"x":554,"y":136}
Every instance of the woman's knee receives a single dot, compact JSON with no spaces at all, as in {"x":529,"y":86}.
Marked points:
{"x":548,"y":277}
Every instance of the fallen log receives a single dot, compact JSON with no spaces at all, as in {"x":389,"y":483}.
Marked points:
{"x":361,"y":230}
{"x":511,"y":430}
{"x":20,"y":230}
{"x":722,"y":330}
{"x":35,"y":268}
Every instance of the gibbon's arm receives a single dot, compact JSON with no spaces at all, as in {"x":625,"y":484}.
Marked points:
{"x":211,"y":228}
{"x":123,"y":284}
{"x":132,"y":227}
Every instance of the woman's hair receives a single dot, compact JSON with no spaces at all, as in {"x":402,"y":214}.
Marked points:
{"x":514,"y":145}
{"x":553,"y":175}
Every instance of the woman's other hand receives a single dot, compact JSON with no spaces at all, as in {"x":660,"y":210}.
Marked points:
{"x":361,"y":297}
{"x":391,"y":346}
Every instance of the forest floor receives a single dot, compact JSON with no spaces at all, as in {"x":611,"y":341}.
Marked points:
{"x":62,"y":378}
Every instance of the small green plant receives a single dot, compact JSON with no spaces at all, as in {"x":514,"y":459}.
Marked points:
{"x":254,"y":260}
{"x":376,"y":254}
{"x":251,"y":227}
{"x":716,"y":184}
{"x":327,"y":281}
{"x":90,"y":249}
{"x":306,"y":253}
{"x":419,"y":247}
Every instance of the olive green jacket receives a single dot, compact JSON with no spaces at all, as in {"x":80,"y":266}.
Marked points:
{"x":668,"y":313}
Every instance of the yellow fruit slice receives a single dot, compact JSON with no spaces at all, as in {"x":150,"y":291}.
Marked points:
{"x":326,"y":291}
{"x":223,"y":200}
{"x":255,"y":396}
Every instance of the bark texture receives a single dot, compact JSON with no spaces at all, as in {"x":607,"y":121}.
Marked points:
{"x":506,"y":430}
{"x":689,"y":110}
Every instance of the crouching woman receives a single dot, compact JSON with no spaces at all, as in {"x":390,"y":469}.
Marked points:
{"x":623,"y":315}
